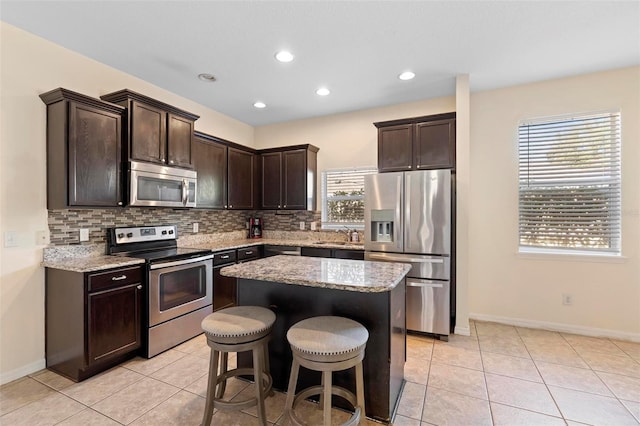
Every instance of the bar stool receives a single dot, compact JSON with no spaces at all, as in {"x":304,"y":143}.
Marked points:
{"x":238,"y":329}
{"x":327,"y":344}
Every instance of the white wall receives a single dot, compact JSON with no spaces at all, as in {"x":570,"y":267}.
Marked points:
{"x":507,"y":286}
{"x":31,"y":66}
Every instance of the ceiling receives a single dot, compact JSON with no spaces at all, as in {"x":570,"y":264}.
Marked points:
{"x":354,"y":48}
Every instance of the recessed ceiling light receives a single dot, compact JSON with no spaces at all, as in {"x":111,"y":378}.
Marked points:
{"x":284,"y":56}
{"x":407,"y":75}
{"x":207,"y":77}
{"x":323,"y":91}
{"x":259,"y":104}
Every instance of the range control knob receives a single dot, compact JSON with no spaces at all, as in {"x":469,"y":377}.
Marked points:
{"x":121,"y":235}
{"x":164,"y":232}
{"x":130,"y":234}
{"x":170,"y":231}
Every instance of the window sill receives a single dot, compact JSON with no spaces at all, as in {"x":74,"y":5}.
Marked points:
{"x":541,"y":254}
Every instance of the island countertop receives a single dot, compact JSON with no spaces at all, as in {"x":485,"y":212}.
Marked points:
{"x":340,"y":274}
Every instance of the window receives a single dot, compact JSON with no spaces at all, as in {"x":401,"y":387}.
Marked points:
{"x":570,"y":184}
{"x":343,"y":198}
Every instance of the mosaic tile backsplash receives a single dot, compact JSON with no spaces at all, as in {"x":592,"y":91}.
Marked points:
{"x":65,"y":224}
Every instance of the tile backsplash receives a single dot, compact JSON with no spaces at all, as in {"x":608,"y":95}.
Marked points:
{"x":65,"y":224}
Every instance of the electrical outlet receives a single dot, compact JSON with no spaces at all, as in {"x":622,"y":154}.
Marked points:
{"x":196,"y":227}
{"x":11,"y":239}
{"x":84,"y":234}
{"x":313,"y":226}
{"x":302,"y":226}
{"x":567,"y":299}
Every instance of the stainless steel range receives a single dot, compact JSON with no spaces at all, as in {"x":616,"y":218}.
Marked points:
{"x":179,"y":286}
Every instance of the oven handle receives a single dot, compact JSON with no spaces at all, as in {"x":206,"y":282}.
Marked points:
{"x":180,"y":262}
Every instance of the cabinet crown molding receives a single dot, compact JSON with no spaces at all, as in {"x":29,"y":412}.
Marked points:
{"x":126,"y":94}
{"x":60,"y":94}
{"x":412,"y":120}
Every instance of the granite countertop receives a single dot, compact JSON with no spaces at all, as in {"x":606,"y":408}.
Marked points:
{"x":92,"y":263}
{"x":340,"y":274}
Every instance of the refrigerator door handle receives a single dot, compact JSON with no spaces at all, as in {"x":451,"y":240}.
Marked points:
{"x":392,"y":258}
{"x":424,"y":283}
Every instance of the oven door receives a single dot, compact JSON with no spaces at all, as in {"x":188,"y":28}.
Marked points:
{"x":179,"y":287}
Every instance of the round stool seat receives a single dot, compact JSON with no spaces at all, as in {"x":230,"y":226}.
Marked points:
{"x":238,"y":324}
{"x":328,"y":338}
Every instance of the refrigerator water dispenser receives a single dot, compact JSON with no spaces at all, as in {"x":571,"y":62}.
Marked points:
{"x":382,"y":225}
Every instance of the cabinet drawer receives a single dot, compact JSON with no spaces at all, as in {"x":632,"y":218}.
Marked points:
{"x":223,"y":257}
{"x":249,"y":253}
{"x":115,"y":278}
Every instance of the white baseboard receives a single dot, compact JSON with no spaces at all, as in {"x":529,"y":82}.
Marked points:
{"x":464,"y":331}
{"x":12,"y":375}
{"x":556,"y":326}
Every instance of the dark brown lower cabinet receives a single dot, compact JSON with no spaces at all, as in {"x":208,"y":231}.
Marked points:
{"x":224,"y":288}
{"x":93,"y":320}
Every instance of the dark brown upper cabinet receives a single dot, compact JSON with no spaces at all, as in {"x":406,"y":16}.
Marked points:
{"x":210,"y":160}
{"x":287,"y":173}
{"x":84,"y":139}
{"x":242,"y":179}
{"x":418,"y":143}
{"x":156,"y":132}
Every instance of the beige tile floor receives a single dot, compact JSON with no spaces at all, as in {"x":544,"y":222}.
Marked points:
{"x":500,"y":375}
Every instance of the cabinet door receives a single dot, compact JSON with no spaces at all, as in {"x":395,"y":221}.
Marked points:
{"x":294,"y":179}
{"x":113,"y":322}
{"x":148,"y":133}
{"x":435,"y":145}
{"x":395,"y":148}
{"x":210,"y":160}
{"x":180,"y":141}
{"x":224,"y":290}
{"x":94,"y":157}
{"x":315,"y":252}
{"x":241,"y":174}
{"x":271,"y":180}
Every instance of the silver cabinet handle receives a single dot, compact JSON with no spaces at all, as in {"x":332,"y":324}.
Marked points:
{"x":121,"y":277}
{"x":119,"y":203}
{"x":230,"y":206}
{"x":248,"y":252}
{"x":139,"y":287}
{"x":224,"y":257}
{"x":171,"y":162}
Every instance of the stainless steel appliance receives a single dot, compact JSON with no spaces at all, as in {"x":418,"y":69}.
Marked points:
{"x":179,"y":290}
{"x":161,"y":186}
{"x":408,"y":219}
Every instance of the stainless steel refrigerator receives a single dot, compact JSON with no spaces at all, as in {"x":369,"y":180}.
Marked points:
{"x":408,"y":219}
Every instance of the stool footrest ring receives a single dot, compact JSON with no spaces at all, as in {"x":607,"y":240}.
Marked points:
{"x":241,"y":405}
{"x":317,"y":390}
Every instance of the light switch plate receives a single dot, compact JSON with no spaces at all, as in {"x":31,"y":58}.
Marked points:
{"x":313,"y":226}
{"x":302,"y":227}
{"x":11,"y":239}
{"x":196,"y":227}
{"x":84,"y":234}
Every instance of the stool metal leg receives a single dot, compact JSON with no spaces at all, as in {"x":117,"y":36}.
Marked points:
{"x":326,"y":378}
{"x":258,"y":368}
{"x":211,"y":387}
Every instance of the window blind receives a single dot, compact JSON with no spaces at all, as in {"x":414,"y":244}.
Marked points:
{"x":343,"y":197}
{"x":569,"y":174}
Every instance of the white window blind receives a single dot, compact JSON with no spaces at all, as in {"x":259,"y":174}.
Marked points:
{"x":343,"y":198}
{"x":569,"y":173}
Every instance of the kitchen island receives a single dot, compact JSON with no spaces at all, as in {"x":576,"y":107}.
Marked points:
{"x":372,"y":293}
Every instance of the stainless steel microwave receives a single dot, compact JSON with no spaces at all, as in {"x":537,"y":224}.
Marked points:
{"x":161,"y":186}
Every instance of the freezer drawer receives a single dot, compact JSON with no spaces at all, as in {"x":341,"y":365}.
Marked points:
{"x":428,"y":306}
{"x":422,"y":265}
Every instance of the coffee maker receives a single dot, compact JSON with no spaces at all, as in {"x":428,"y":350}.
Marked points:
{"x":255,"y":227}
